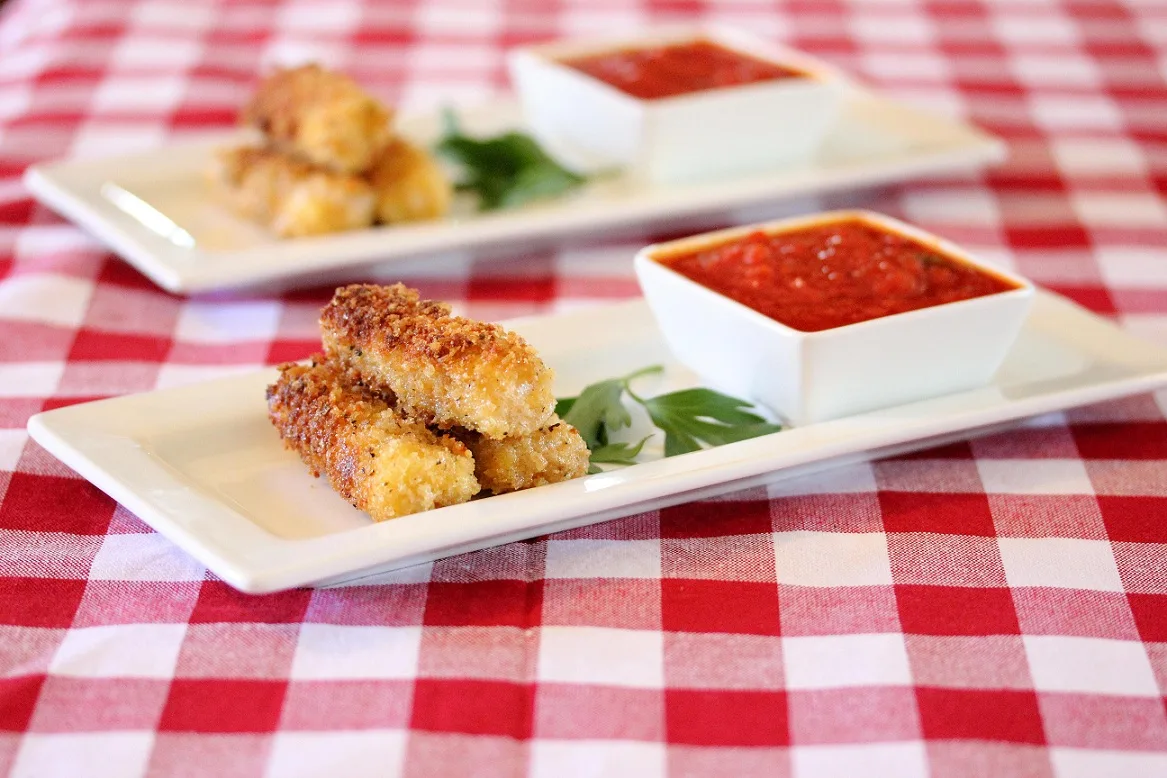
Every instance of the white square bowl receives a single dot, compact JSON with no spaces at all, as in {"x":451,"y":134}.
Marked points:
{"x":807,"y":377}
{"x":689,"y":137}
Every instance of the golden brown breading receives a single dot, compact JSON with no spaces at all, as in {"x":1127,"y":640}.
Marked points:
{"x":381,"y":462}
{"x":443,"y":369}
{"x":547,"y":456}
{"x":291,"y":197}
{"x":322,"y":116}
{"x":410,"y":184}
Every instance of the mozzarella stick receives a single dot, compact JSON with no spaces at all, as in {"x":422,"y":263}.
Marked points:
{"x":381,"y":462}
{"x":547,"y":456}
{"x":409,"y":184}
{"x":321,"y":116}
{"x":290,"y":197}
{"x":442,"y":369}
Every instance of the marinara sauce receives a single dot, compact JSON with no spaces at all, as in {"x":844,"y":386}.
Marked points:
{"x":834,"y":274}
{"x":678,"y":68}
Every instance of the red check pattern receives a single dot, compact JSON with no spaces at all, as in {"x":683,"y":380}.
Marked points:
{"x":996,"y":607}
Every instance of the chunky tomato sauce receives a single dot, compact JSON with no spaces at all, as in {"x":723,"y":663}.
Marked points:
{"x":830,"y":275}
{"x":679,"y":68}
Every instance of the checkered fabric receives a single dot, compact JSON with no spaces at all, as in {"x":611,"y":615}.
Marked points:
{"x":996,"y":608}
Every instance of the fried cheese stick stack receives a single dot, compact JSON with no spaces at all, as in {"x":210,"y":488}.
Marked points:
{"x":547,"y":456}
{"x":442,"y":369}
{"x":383,"y":463}
{"x":292,"y":197}
{"x":322,"y":116}
{"x":409,"y":185}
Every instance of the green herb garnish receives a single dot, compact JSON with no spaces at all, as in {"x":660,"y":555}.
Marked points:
{"x":690,"y":418}
{"x":504,"y":171}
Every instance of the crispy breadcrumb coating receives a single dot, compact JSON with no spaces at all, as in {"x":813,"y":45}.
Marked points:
{"x":382,"y":463}
{"x":410,"y":184}
{"x":322,"y":116}
{"x":443,"y":369}
{"x":547,"y":456}
{"x":291,"y":197}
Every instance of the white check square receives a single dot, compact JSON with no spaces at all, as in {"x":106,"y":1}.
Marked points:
{"x":163,"y":15}
{"x":906,"y":28}
{"x":832,"y":558}
{"x":117,"y":93}
{"x":145,"y":556}
{"x":30,"y":379}
{"x":226,"y":322}
{"x":603,"y":559}
{"x":591,"y":758}
{"x":894,"y":760}
{"x":141,"y":51}
{"x":1080,"y":112}
{"x":290,"y":52}
{"x":1120,"y":209}
{"x":1060,"y":69}
{"x":1093,"y":156}
{"x":46,"y":299}
{"x":120,"y":650}
{"x":367,"y":754}
{"x":11,"y":446}
{"x":110,"y":138}
{"x":852,"y":479}
{"x":1089,"y":665}
{"x":171,"y":375}
{"x":601,"y":655}
{"x":94,"y":755}
{"x":1132,"y":266}
{"x":1047,"y":28}
{"x":1034,"y":476}
{"x":1068,"y":563}
{"x":334,"y":651}
{"x":1091,"y":763}
{"x":838,"y":661}
{"x":902,"y":64}
{"x":40,"y":240}
{"x":479,"y":18}
{"x":964,"y":206}
{"x":341,"y":18}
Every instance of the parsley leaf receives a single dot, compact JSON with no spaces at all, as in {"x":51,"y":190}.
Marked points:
{"x":690,"y":418}
{"x":597,"y":411}
{"x":618,"y":453}
{"x":615,"y":454}
{"x":506,"y":170}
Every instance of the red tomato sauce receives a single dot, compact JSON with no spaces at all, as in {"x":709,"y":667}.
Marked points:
{"x":679,"y":68}
{"x":831,"y":275}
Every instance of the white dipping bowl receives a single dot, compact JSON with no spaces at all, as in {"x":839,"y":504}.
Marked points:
{"x":712,"y":133}
{"x":807,"y":377}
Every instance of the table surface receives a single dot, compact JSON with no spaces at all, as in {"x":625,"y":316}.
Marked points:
{"x":994,"y":607}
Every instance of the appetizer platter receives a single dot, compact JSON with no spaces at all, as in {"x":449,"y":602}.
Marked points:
{"x":218,"y":482}
{"x":323,"y":182}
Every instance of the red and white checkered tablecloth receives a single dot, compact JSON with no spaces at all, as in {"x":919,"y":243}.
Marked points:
{"x":993,"y":608}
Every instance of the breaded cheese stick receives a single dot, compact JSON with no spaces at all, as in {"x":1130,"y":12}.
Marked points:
{"x":291,"y":197}
{"x":322,"y":116}
{"x":443,"y":369}
{"x":409,"y":184}
{"x":547,"y":456}
{"x":381,"y":462}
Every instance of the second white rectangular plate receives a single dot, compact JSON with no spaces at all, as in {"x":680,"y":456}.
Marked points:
{"x":876,"y":141}
{"x":204,"y":467}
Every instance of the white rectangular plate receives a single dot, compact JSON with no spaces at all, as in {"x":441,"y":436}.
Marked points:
{"x":203,"y":466}
{"x":876,"y":141}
